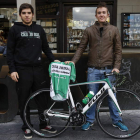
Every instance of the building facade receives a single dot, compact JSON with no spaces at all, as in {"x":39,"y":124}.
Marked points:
{"x":64,"y":22}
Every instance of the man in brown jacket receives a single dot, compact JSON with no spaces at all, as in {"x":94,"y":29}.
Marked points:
{"x":104,"y":56}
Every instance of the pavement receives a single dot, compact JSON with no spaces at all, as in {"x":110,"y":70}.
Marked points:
{"x":12,"y":131}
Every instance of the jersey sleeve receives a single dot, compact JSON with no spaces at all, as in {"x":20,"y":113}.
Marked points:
{"x":50,"y":70}
{"x":73,"y":72}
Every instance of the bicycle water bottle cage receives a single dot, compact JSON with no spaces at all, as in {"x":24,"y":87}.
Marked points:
{"x":79,"y":107}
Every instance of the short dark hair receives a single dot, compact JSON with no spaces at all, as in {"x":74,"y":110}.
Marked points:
{"x":26,"y":6}
{"x":100,"y":5}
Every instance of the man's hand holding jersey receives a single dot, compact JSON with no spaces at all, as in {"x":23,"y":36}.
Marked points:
{"x":56,"y":61}
{"x":67,"y":62}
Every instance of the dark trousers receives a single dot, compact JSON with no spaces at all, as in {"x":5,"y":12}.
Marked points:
{"x":30,"y":80}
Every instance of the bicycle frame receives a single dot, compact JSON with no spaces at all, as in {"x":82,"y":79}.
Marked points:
{"x":95,"y":98}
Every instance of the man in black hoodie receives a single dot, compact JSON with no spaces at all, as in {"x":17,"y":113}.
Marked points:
{"x":26,"y":41}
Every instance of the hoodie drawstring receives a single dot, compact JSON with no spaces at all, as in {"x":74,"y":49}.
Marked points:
{"x":27,"y":31}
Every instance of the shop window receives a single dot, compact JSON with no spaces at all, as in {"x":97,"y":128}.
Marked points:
{"x":130,"y":30}
{"x":50,"y":28}
{"x":7,"y":18}
{"x":78,"y":19}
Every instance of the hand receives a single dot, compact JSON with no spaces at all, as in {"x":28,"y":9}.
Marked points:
{"x":56,"y":61}
{"x":14,"y":76}
{"x":67,"y":62}
{"x":116,"y":70}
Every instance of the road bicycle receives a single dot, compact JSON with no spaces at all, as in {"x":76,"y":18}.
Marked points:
{"x":73,"y":114}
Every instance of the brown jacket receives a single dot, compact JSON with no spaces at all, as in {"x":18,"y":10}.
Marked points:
{"x":105,"y":50}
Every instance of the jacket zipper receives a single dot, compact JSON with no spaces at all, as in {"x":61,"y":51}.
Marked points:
{"x":99,"y":52}
{"x":110,"y":35}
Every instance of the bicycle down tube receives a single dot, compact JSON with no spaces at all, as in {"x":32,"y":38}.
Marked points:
{"x":100,"y":92}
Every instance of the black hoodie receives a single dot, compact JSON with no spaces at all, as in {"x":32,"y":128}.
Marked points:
{"x":25,"y":45}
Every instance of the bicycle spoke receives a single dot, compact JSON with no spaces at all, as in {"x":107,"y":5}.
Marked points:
{"x":128,"y":101}
{"x":47,"y":116}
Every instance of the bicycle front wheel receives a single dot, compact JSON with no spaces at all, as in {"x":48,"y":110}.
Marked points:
{"x":41,"y":115}
{"x":129,"y":103}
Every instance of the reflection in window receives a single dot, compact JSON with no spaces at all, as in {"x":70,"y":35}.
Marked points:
{"x":80,"y":16}
{"x":78,"y":19}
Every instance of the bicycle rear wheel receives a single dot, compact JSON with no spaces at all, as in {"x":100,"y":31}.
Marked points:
{"x":129,"y":103}
{"x":37,"y":117}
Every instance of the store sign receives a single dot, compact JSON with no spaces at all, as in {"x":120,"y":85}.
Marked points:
{"x":47,"y":9}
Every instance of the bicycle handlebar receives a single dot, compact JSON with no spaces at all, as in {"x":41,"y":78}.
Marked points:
{"x":109,"y":74}
{"x":115,"y":73}
{"x":118,"y":79}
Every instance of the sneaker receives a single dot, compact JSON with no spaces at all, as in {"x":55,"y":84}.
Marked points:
{"x":86,"y":126}
{"x":49,"y":129}
{"x":28,"y":134}
{"x":121,"y":126}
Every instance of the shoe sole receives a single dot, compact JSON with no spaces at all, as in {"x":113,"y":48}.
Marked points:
{"x":88,"y":127}
{"x":48,"y":131}
{"x":27,"y":137}
{"x":119,"y":128}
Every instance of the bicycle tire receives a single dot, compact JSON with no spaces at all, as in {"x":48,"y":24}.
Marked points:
{"x":58,"y":123}
{"x":129,"y":103}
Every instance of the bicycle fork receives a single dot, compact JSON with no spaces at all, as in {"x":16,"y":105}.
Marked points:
{"x":111,"y":94}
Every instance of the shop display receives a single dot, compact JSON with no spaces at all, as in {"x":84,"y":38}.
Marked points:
{"x":70,"y":23}
{"x":52,"y":39}
{"x":53,"y":22}
{"x":130,"y":30}
{"x":49,"y":23}
{"x":49,"y":26}
{"x":7,"y":18}
{"x":42,"y":24}
{"x":76,"y":23}
{"x":38,"y":22}
{"x":74,"y":37}
{"x":51,"y":30}
{"x":47,"y":30}
{"x":75,"y":32}
{"x":55,"y":39}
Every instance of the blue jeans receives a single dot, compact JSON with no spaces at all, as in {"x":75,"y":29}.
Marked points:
{"x":95,"y":74}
